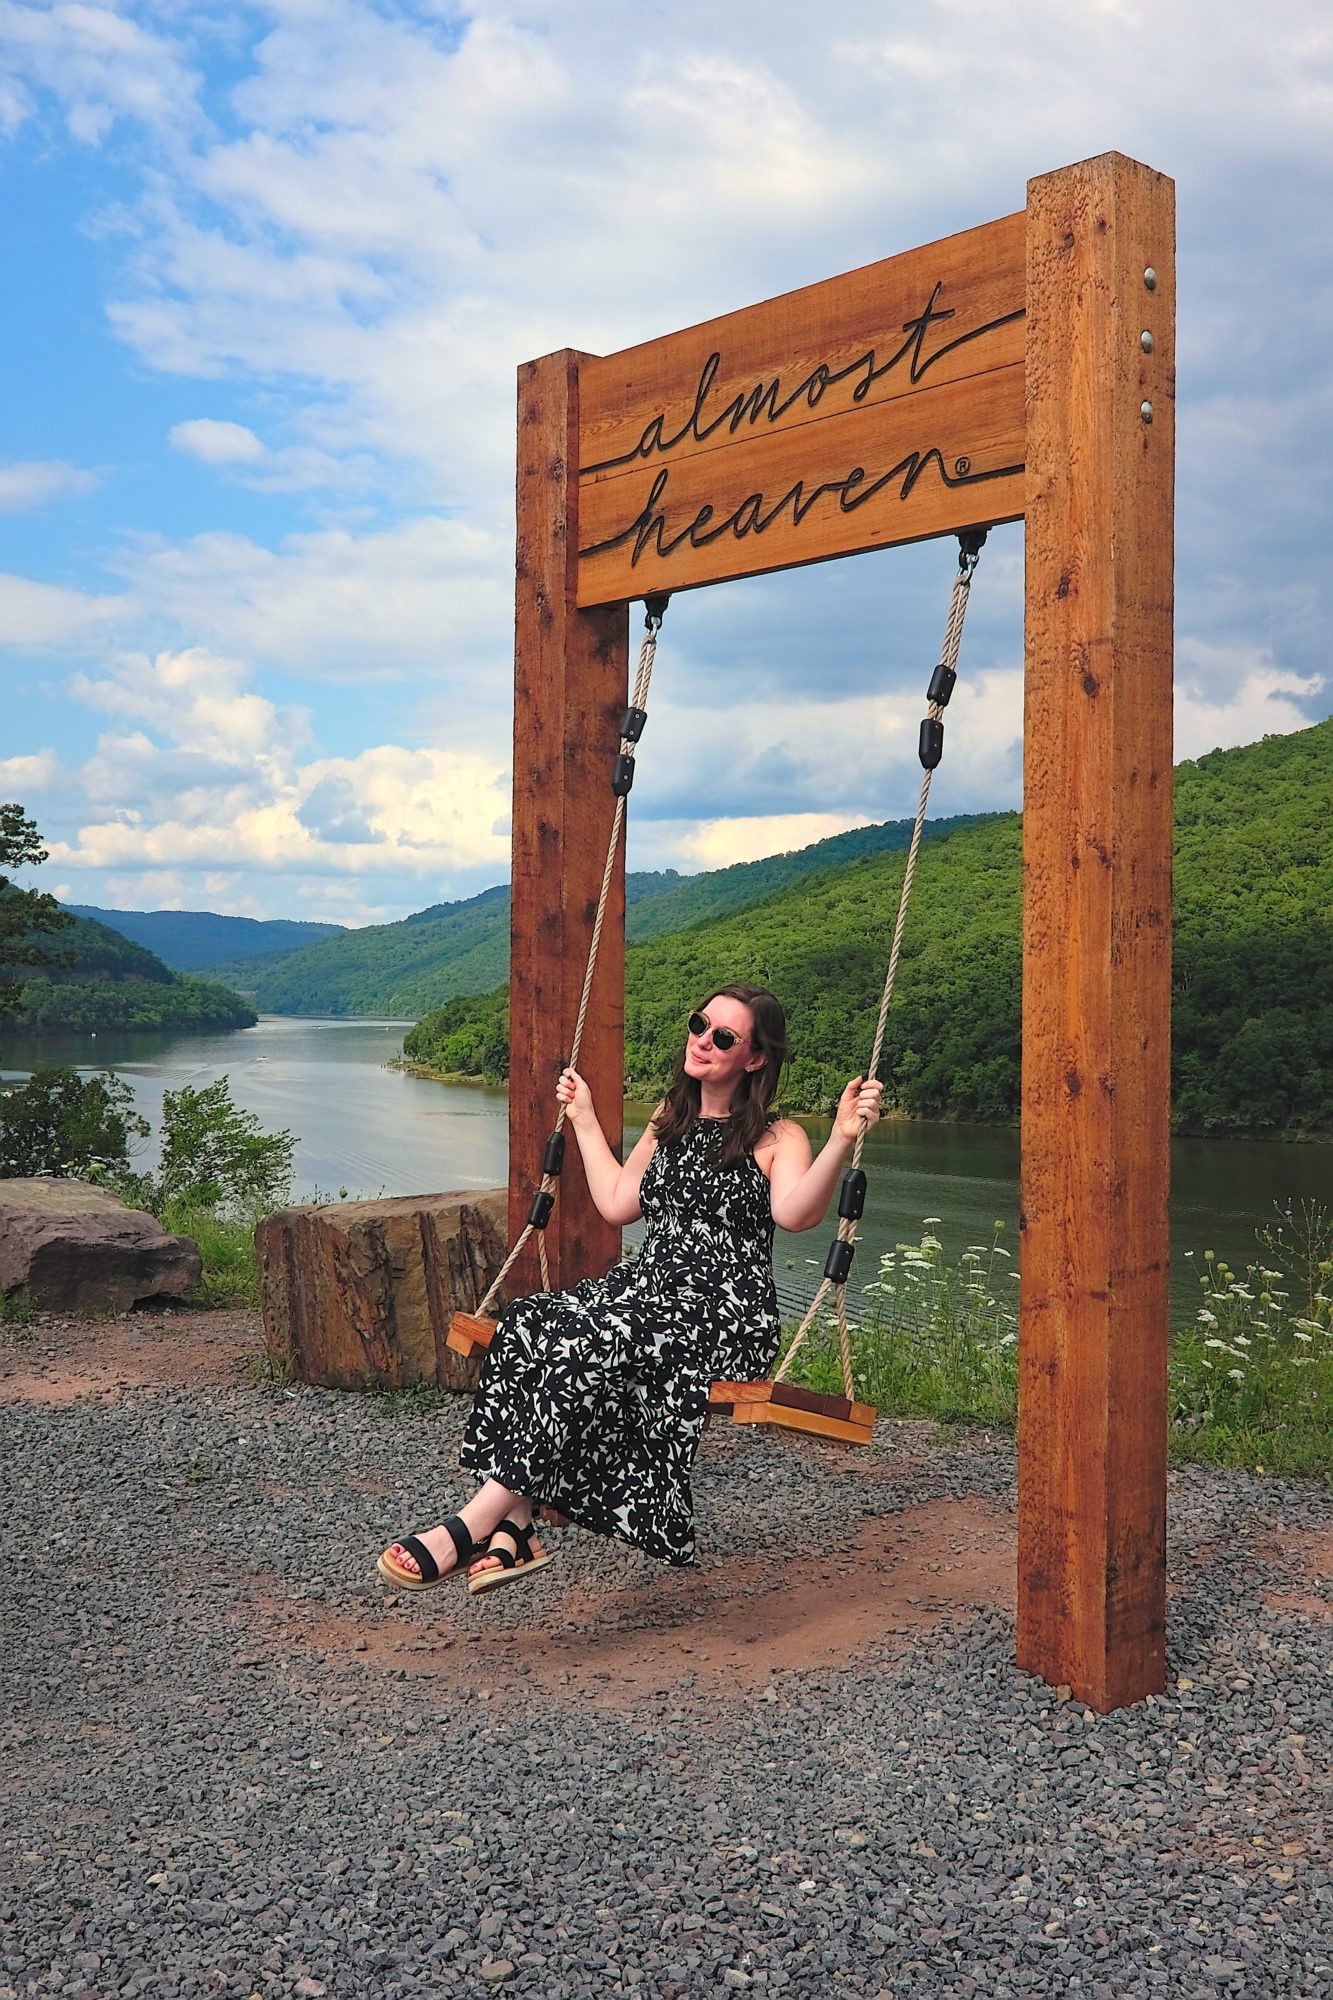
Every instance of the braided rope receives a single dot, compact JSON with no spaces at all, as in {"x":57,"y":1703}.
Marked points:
{"x":953,"y":638}
{"x":638,"y":699}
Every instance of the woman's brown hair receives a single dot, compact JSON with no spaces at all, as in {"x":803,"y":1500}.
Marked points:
{"x":750,"y":1116}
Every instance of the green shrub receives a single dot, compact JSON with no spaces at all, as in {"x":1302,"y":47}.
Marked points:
{"x":70,"y":1126}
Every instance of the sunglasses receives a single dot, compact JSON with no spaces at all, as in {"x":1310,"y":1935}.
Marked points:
{"x":723,"y":1038}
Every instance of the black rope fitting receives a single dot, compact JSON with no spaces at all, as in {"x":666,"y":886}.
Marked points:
{"x":970,"y":544}
{"x":942,"y":684}
{"x":654,"y":610}
{"x":553,"y":1159}
{"x":622,"y":778}
{"x":839,"y":1260}
{"x":931,"y":746}
{"x":543,"y":1207}
{"x":631,"y":727}
{"x":852,"y":1200}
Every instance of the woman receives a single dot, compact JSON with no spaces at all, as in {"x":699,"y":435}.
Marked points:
{"x":592,"y":1401}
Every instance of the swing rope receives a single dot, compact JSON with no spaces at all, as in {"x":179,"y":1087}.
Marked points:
{"x":553,"y":1159}
{"x":851,"y":1202}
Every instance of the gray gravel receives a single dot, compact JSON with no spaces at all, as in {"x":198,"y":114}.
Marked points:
{"x":208,"y":1789}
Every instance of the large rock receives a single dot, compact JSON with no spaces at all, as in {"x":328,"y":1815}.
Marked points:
{"x":359,"y":1294}
{"x":74,"y":1248}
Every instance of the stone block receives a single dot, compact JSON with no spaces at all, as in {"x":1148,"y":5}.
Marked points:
{"x":359,"y":1294}
{"x":70,"y":1247}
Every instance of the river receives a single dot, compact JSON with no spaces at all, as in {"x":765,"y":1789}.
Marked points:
{"x":366,"y":1129}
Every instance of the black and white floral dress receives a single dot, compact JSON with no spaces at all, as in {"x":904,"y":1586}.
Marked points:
{"x":592,"y":1401}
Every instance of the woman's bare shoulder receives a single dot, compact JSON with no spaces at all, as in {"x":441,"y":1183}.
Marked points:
{"x":782,"y":1132}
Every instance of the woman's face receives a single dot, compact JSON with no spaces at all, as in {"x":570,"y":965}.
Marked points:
{"x":708,"y":1063}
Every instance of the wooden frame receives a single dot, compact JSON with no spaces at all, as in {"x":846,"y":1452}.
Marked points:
{"x":1024,"y":369}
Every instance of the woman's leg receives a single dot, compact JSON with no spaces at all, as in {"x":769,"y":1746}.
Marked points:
{"x":489,"y":1505}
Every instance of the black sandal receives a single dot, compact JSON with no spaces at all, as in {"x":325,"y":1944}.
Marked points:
{"x":511,"y":1566}
{"x":431,"y":1573}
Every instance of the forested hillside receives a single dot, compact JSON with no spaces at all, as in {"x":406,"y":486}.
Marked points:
{"x":109,"y":982}
{"x":1253,"y":1017}
{"x":411,"y":966}
{"x":200,"y":941}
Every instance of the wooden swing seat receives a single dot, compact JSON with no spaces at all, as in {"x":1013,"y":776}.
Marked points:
{"x":469,"y":1334}
{"x":793,"y":1409}
{"x":777,"y":1403}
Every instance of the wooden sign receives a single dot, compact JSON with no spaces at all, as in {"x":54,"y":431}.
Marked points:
{"x":880,"y":407}
{"x":1022,"y":369}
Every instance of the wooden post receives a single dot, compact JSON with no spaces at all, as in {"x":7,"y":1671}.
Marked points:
{"x":570,"y":686}
{"x":1097,"y":831}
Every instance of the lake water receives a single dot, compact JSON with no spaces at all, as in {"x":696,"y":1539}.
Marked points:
{"x":368,"y":1129}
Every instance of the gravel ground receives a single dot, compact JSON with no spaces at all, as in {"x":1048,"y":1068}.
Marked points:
{"x":232,"y":1764}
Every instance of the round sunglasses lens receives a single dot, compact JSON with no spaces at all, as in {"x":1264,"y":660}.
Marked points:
{"x":725,"y":1038}
{"x":697,"y":1024}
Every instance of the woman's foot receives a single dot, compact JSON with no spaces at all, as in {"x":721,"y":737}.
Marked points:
{"x":421,"y":1560}
{"x":512,"y":1551}
{"x":441,"y":1546}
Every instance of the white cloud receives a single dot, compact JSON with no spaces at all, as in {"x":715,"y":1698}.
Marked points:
{"x":22,"y":777}
{"x":206,"y":781}
{"x":427,"y":595}
{"x":1227,"y":695}
{"x":718,"y":843}
{"x":216,"y":443}
{"x":100,"y":65}
{"x":36,"y":615}
{"x":36,"y":482}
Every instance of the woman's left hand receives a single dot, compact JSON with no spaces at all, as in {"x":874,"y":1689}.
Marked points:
{"x":858,"y":1106}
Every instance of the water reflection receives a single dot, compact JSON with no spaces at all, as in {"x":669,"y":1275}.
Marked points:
{"x":371,"y":1130}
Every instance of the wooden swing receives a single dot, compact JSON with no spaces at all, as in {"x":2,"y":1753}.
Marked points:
{"x":470,"y":1333}
{"x":778,"y":1402}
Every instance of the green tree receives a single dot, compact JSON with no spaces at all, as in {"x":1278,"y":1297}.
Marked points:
{"x":70,"y":1126}
{"x":215,"y":1155}
{"x":23,"y":912}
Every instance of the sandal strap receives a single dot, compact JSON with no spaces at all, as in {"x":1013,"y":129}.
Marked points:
{"x":522,"y":1539}
{"x":425,"y":1561}
{"x":461,"y":1536}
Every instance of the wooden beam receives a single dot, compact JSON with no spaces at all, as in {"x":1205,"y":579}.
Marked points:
{"x":570,"y":688}
{"x":876,"y":407}
{"x":948,"y":457}
{"x":1097,"y":929}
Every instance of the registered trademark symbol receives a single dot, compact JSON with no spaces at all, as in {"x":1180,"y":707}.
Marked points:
{"x":962,"y":466}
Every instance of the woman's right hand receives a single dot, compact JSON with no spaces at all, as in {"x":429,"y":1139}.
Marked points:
{"x":574,"y":1094}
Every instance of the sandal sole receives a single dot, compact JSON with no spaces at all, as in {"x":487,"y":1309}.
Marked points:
{"x":491,"y":1578}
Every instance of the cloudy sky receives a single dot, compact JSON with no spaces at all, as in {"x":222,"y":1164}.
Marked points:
{"x":268,"y":272}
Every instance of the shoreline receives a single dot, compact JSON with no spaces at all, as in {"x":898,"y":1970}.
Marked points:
{"x":894,"y":1115}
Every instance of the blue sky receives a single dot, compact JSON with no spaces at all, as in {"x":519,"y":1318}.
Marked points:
{"x":268,"y":274}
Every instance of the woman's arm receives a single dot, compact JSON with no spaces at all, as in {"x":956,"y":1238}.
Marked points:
{"x":614,"y":1189}
{"x":800,"y":1188}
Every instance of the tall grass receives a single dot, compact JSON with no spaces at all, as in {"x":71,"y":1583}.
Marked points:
{"x":226,"y":1243}
{"x":1250,"y":1377}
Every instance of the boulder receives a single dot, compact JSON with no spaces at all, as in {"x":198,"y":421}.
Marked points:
{"x":73,"y":1248}
{"x":359,"y":1294}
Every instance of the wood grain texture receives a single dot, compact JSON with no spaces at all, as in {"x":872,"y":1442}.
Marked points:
{"x":948,"y":457}
{"x":469,"y":1335}
{"x":725,"y":1396}
{"x":361,"y":1294}
{"x":783,"y":1417}
{"x":570,"y":688}
{"x":1097,"y":839}
{"x":861,"y":325}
